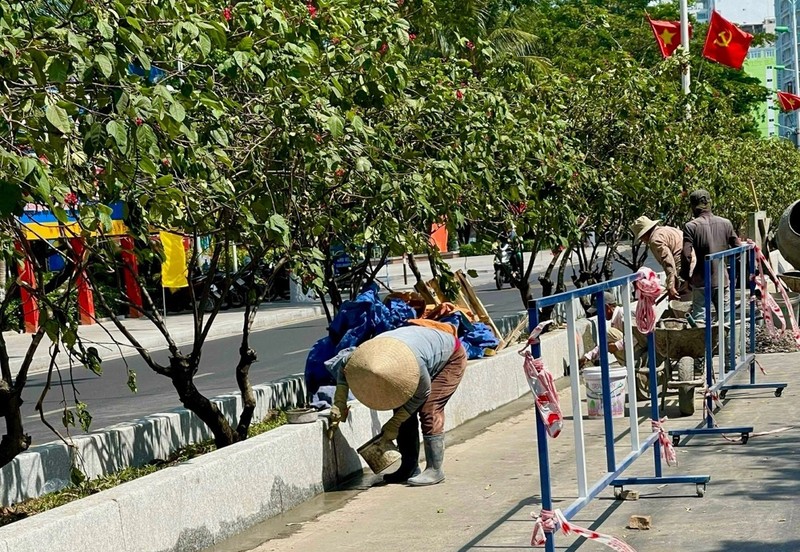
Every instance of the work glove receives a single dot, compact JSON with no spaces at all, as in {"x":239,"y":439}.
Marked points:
{"x":339,"y":410}
{"x":391,"y":428}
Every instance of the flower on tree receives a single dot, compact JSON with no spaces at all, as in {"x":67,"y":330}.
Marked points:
{"x":470,"y":45}
{"x":312,"y":10}
{"x":227,"y":13}
{"x":459,"y":95}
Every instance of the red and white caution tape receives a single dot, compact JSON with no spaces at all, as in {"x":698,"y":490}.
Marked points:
{"x":542,"y":386}
{"x":647,"y":291}
{"x":549,"y":522}
{"x":667,"y":450}
{"x":769,"y":307}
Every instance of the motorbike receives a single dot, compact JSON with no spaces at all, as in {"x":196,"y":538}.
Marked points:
{"x":507,"y":264}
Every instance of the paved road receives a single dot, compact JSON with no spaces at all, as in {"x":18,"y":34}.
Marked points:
{"x":282,"y":351}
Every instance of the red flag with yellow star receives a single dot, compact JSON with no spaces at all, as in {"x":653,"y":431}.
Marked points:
{"x":726,"y":43}
{"x":789,"y":102}
{"x":668,"y":35}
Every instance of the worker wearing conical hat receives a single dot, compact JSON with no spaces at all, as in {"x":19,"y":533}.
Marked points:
{"x":666,"y":245}
{"x":413,"y":371}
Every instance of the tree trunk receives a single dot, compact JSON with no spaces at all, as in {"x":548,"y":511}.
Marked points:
{"x":3,"y":275}
{"x":192,"y":399}
{"x":247,"y":357}
{"x":412,"y":264}
{"x":15,"y":440}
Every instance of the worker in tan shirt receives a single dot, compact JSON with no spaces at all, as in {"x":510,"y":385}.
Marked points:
{"x":666,"y":244}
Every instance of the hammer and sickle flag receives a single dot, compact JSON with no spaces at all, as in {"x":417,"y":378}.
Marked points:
{"x":668,"y":35}
{"x":726,"y":43}
{"x":789,"y":102}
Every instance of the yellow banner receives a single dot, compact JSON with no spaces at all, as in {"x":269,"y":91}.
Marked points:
{"x":174,"y":270}
{"x":56,"y":230}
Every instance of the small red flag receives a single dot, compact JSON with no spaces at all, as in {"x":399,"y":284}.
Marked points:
{"x":789,"y":102}
{"x":668,"y":35}
{"x":726,"y":43}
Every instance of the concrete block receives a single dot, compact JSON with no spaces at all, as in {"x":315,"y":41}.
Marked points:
{"x":92,"y":524}
{"x":230,"y":405}
{"x":97,"y":454}
{"x":238,"y":486}
{"x":45,"y":468}
{"x":640,"y":522}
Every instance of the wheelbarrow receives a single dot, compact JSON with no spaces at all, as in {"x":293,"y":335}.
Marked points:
{"x":677,"y":342}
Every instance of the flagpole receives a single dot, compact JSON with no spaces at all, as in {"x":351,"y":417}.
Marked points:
{"x":796,"y":70}
{"x":685,"y":75}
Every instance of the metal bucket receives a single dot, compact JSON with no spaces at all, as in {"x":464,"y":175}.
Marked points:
{"x":377,"y":458}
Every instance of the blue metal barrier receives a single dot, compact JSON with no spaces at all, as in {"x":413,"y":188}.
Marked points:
{"x":614,"y":468}
{"x":738,"y":357}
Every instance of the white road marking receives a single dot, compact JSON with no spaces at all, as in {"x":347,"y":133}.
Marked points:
{"x":296,"y":352}
{"x":489,"y":305}
{"x":204,"y":375}
{"x":60,"y":410}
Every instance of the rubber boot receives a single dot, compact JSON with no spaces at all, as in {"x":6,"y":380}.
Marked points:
{"x":408,"y":445}
{"x":434,"y":457}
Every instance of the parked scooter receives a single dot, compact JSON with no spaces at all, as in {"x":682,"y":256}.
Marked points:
{"x":507,"y":264}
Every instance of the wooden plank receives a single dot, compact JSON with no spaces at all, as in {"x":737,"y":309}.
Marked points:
{"x":515,"y":333}
{"x":460,"y":301}
{"x":477,"y":306}
{"x":426,"y":293}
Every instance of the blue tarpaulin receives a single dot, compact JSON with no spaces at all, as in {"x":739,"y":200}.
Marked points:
{"x":356,"y":321}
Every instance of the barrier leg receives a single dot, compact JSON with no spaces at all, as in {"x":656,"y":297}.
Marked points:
{"x":541,"y":442}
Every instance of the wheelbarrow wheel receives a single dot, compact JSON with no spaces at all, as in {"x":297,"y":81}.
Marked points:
{"x":686,"y":392}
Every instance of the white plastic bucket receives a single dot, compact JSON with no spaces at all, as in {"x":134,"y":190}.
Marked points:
{"x":594,"y":391}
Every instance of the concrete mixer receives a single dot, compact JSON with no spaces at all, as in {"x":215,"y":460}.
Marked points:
{"x":787,"y":235}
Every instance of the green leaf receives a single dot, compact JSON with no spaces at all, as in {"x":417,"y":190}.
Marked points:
{"x":164,"y":181}
{"x":220,"y":136}
{"x":118,"y":131}
{"x":177,"y":112}
{"x":104,"y":64}
{"x":58,"y":117}
{"x":472,"y":273}
{"x":148,"y":166}
{"x":132,"y":381}
{"x":246,"y":44}
{"x":105,"y":29}
{"x":363,"y":164}
{"x":336,"y":126}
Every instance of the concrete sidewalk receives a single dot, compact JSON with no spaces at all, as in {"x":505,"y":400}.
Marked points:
{"x":492,"y":488}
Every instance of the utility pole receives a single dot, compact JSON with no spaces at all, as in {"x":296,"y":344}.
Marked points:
{"x":796,"y":68}
{"x":685,"y":75}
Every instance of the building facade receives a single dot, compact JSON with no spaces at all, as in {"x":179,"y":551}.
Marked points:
{"x":760,"y":64}
{"x":702,"y":10}
{"x":787,"y":123}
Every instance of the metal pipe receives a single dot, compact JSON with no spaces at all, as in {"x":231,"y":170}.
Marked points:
{"x":654,"y":414}
{"x":577,"y":413}
{"x":541,"y":439}
{"x":709,"y":337}
{"x":752,"y":285}
{"x":685,"y":73}
{"x":633,"y":414}
{"x":605,"y":376}
{"x":721,"y":317}
{"x":732,"y":314}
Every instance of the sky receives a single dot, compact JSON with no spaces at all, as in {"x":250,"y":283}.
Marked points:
{"x":746,"y":11}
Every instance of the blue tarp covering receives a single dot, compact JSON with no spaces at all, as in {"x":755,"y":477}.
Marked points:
{"x":366,"y":317}
{"x":356,"y":321}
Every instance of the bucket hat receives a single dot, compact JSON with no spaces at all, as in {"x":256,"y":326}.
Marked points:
{"x":642,"y":226}
{"x":382,"y":373}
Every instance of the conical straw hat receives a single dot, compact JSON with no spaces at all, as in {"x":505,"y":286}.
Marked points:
{"x":382,"y":373}
{"x":642,"y":225}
